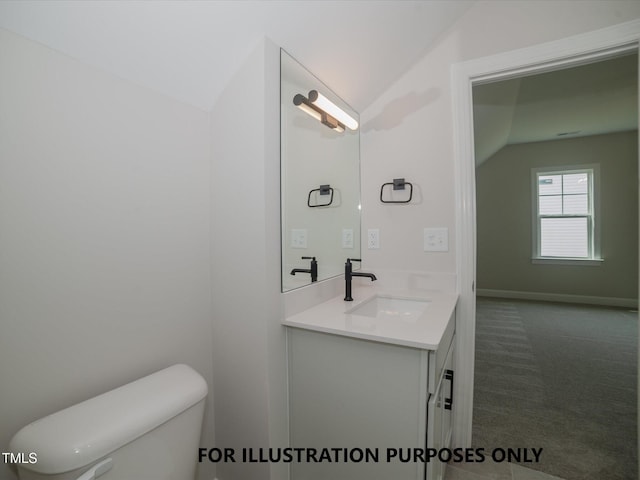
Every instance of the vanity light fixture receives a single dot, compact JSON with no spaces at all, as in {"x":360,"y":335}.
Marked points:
{"x":320,"y":108}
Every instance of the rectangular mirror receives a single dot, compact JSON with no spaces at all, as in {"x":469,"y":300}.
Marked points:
{"x":320,"y":179}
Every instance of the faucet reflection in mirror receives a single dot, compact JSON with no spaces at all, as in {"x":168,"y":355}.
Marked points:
{"x":320,"y":178}
{"x":313,"y":269}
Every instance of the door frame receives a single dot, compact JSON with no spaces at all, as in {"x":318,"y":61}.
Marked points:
{"x":572,"y":51}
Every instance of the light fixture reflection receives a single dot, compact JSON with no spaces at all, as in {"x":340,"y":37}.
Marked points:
{"x":303,"y":104}
{"x":331,"y":115}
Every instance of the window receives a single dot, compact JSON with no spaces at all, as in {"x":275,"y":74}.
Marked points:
{"x":565,"y":216}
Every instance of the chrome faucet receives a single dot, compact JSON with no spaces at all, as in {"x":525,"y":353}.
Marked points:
{"x":313,"y":269}
{"x":349,"y":274}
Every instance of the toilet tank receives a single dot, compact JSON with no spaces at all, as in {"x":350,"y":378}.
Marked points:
{"x":146,"y":429}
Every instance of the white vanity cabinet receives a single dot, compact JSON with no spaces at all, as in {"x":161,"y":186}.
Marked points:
{"x":358,"y":394}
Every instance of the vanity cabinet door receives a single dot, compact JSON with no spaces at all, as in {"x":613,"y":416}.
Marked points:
{"x":355,"y":394}
{"x":435,"y":470}
{"x":439,"y":416}
{"x":448,"y":398}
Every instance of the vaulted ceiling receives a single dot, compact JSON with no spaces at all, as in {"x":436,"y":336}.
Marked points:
{"x":591,"y":99}
{"x":191,"y":49}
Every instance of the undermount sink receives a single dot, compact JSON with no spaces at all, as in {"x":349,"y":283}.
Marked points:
{"x":388,"y":307}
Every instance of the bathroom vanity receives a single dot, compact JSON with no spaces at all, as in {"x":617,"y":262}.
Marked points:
{"x":370,"y":380}
{"x":373,"y":375}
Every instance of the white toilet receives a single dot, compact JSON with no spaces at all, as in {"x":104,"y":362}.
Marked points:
{"x":148,"y":429}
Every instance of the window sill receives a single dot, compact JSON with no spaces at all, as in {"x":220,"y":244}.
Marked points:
{"x":587,"y":262}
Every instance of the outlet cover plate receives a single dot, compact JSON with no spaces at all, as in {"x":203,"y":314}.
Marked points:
{"x":298,"y":238}
{"x":373,"y":238}
{"x":347,"y":238}
{"x":436,"y":239}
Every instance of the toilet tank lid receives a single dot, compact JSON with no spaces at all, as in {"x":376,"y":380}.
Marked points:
{"x":85,"y":432}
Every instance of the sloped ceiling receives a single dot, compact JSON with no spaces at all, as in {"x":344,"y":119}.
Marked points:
{"x":190,"y":49}
{"x":587,"y":100}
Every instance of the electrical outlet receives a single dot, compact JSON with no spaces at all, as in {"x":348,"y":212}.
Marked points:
{"x":436,"y":239}
{"x":347,"y":238}
{"x":298,"y":238}
{"x":373,"y":238}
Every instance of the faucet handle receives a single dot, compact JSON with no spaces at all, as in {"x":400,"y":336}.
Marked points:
{"x":349,"y":260}
{"x":309,"y":258}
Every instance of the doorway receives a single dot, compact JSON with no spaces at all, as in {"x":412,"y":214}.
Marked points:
{"x":572,"y":51}
{"x":545,"y":371}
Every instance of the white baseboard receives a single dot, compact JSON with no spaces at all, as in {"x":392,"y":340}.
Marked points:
{"x":559,"y":297}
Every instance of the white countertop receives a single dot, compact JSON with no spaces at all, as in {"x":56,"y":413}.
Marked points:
{"x":424,"y":332}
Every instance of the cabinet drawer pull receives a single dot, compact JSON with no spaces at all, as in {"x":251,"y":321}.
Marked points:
{"x":448,"y":402}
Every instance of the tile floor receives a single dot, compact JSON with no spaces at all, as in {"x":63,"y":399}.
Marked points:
{"x":494,"y":471}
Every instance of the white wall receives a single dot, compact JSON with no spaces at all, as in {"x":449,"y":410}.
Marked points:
{"x":249,"y":346}
{"x":104,"y":235}
{"x":407,"y":132}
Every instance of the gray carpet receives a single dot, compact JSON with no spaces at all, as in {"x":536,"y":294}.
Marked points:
{"x":561,"y":377}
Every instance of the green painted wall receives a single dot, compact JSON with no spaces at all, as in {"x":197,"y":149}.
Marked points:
{"x":504,"y":218}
